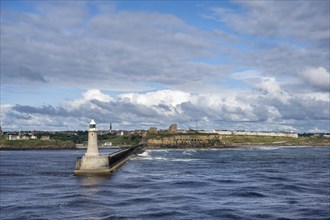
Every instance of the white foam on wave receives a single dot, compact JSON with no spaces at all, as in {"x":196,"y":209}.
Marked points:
{"x":184,"y":160}
{"x":274,"y":147}
{"x":189,"y":152}
{"x":144,"y":154}
{"x":265,"y":148}
{"x":158,"y":150}
{"x":174,"y":159}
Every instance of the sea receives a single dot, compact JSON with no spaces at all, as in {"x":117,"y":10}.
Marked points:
{"x":239,"y":183}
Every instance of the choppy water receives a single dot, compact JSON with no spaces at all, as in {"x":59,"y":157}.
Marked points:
{"x":254,"y":183}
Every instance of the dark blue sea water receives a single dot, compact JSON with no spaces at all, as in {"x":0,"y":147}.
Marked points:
{"x":245,"y":183}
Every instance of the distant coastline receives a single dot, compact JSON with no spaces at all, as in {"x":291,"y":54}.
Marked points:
{"x":159,"y":139}
{"x":72,"y":146}
{"x":237,"y":145}
{"x":211,"y":141}
{"x":154,"y":139}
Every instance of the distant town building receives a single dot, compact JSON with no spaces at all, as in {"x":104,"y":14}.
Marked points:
{"x":257,"y":133}
{"x":45,"y":137}
{"x":144,"y":134}
{"x":12,"y":137}
{"x":24,"y":137}
{"x":173,"y":129}
{"x":152,"y":130}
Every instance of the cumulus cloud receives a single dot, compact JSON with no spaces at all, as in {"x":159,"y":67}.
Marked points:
{"x":93,"y":94}
{"x":262,"y":109}
{"x":317,"y":77}
{"x":270,"y":88}
{"x":168,"y":97}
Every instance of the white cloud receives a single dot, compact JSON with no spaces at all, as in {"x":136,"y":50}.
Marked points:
{"x":315,"y":130}
{"x":321,"y":96}
{"x":317,"y":77}
{"x":168,"y":97}
{"x":270,"y":88}
{"x":93,"y":94}
{"x":269,"y":108}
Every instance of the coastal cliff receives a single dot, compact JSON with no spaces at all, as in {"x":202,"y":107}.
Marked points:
{"x":217,"y":141}
{"x":184,"y":141}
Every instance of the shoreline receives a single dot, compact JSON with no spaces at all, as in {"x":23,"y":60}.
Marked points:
{"x":159,"y":147}
{"x":228,"y":147}
{"x":8,"y":148}
{"x":172,"y":148}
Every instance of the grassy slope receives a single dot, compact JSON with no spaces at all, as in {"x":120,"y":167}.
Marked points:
{"x":35,"y":144}
{"x":260,"y":140}
{"x":128,"y":140}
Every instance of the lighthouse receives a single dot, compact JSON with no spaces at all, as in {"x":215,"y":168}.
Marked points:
{"x":92,"y":149}
{"x":92,"y":162}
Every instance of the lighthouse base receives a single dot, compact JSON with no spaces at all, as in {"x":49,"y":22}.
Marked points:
{"x":92,"y":165}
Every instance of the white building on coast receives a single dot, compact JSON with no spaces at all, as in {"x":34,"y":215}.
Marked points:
{"x":257,"y":133}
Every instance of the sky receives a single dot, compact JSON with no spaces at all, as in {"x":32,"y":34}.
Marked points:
{"x":224,"y":65}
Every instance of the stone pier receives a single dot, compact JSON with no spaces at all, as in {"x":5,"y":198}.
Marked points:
{"x":94,"y":163}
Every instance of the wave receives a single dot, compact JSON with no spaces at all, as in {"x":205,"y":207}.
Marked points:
{"x":189,"y":152}
{"x":146,"y":156}
{"x":273,"y":147}
{"x":265,"y":148}
{"x":159,"y":150}
{"x":183,"y":159}
{"x":166,"y":159}
{"x":249,"y":194}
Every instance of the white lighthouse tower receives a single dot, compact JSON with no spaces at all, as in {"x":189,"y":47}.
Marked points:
{"x":92,"y":149}
{"x":92,"y":162}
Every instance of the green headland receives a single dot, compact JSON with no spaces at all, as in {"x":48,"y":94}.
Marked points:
{"x":156,"y":139}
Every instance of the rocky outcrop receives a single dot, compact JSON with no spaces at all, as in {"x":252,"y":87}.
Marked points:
{"x":185,"y":141}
